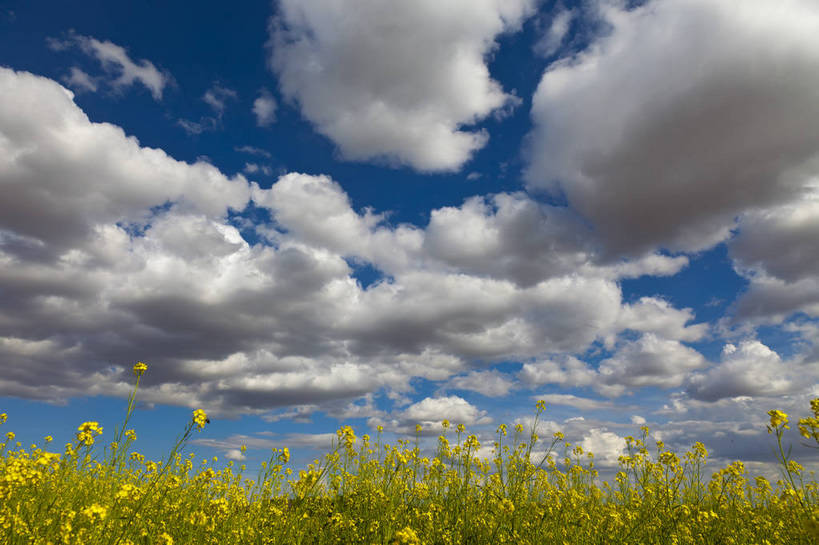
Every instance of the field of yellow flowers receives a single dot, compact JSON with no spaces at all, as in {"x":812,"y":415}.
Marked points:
{"x":365,"y":491}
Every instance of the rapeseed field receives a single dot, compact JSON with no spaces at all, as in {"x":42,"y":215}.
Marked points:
{"x":365,"y":491}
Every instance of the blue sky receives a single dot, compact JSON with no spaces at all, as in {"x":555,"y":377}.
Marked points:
{"x":304,"y":214}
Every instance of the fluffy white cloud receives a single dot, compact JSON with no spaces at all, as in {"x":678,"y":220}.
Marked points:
{"x":45,"y":133}
{"x":654,"y":315}
{"x":489,"y":383}
{"x":264,"y":108}
{"x":397,"y":82}
{"x":112,"y":252}
{"x":430,"y":411}
{"x":512,"y":236}
{"x":606,"y":446}
{"x":752,"y":369}
{"x":568,"y":372}
{"x":648,"y":361}
{"x":656,"y":156}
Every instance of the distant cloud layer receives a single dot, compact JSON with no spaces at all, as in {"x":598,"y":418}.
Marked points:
{"x":398,"y":82}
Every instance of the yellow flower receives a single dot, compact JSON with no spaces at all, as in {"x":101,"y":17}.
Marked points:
{"x":87,"y":431}
{"x":95,"y":512}
{"x":200,"y":418}
{"x":541,"y":405}
{"x":140,"y":368}
{"x":165,"y":539}
{"x":407,"y":536}
{"x":445,"y":424}
{"x":48,"y":439}
{"x":778,"y":418}
{"x":3,"y":418}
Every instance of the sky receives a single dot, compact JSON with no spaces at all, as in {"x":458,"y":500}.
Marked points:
{"x":305,"y":214}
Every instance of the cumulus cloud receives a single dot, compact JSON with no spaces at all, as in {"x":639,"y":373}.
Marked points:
{"x":514,"y":237}
{"x":606,"y":446}
{"x":264,"y":108}
{"x":117,"y":63}
{"x":431,"y":411}
{"x":399,"y":82}
{"x":489,"y":383}
{"x":235,"y":455}
{"x":648,"y":361}
{"x":660,"y":157}
{"x":129,"y":254}
{"x":568,"y":372}
{"x":752,"y":369}
{"x":776,"y":249}
{"x":651,"y":314}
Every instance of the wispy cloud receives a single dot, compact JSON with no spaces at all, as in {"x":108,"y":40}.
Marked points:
{"x":120,"y":69}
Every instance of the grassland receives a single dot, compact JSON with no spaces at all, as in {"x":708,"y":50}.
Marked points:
{"x":365,"y":491}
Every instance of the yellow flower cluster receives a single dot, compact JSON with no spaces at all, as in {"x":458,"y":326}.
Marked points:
{"x":200,"y":418}
{"x":87,"y":432}
{"x":140,"y":368}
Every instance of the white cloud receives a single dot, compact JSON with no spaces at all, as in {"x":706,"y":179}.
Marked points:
{"x":651,"y":314}
{"x":264,"y":108}
{"x":752,"y":369}
{"x":253,"y":151}
{"x":235,"y":455}
{"x":217,"y":96}
{"x":652,"y":155}
{"x":489,"y":383}
{"x":117,"y":63}
{"x":648,"y":361}
{"x":553,"y":38}
{"x":606,"y":446}
{"x":80,"y":81}
{"x":191,"y":127}
{"x":129,"y":254}
{"x":254,"y":168}
{"x":431,"y":411}
{"x":568,"y":372}
{"x":512,"y":236}
{"x":398,"y":82}
{"x":776,"y":249}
